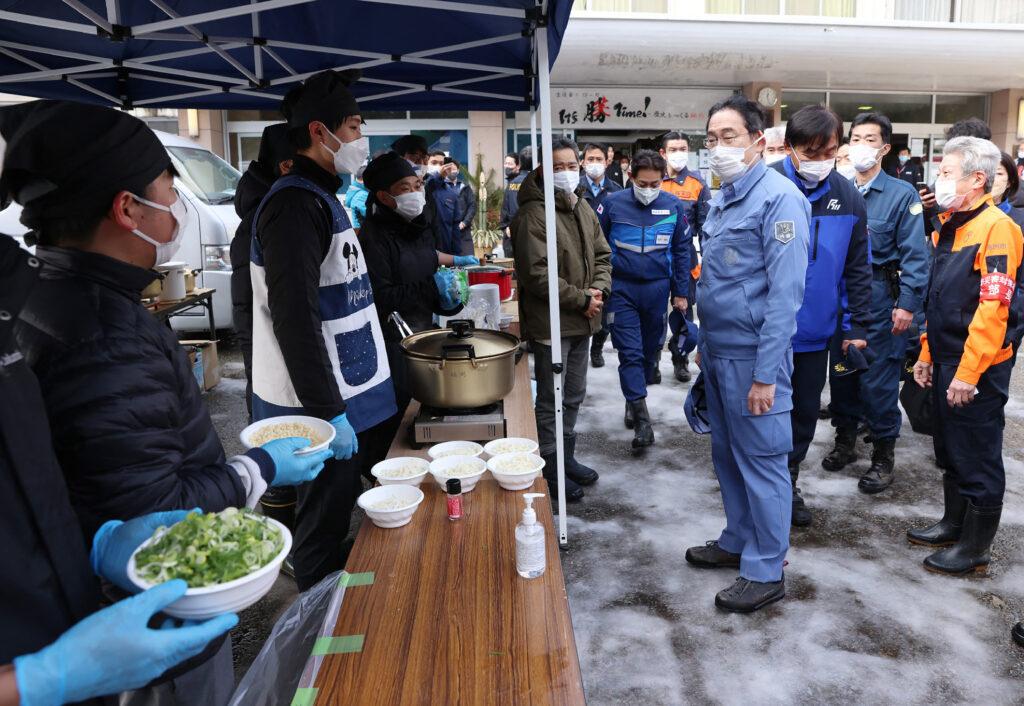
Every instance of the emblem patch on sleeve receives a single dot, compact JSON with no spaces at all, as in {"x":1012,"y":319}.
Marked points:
{"x":916,"y":208}
{"x":784,"y":231}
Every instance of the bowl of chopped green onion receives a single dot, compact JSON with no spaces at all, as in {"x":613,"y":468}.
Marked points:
{"x":230,"y":559}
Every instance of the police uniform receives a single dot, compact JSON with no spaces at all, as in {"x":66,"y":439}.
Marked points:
{"x":754,"y":246}
{"x":899,"y":275}
{"x":691,"y":189}
{"x":650,"y":261}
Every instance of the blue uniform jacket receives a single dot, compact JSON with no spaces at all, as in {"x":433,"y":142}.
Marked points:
{"x":895,"y":225}
{"x":445,"y":196}
{"x":607,"y":187}
{"x":648,"y":242}
{"x":838,"y":251}
{"x":754,"y":246}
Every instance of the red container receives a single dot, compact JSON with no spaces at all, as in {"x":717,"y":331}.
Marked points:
{"x":489,"y":274}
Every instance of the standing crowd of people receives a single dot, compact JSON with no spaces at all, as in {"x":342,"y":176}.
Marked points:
{"x":809,"y":263}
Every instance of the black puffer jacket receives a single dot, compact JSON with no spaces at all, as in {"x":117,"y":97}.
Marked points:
{"x":252,"y":187}
{"x":129,"y":427}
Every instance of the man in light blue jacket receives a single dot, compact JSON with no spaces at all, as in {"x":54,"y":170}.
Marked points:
{"x":754,"y":244}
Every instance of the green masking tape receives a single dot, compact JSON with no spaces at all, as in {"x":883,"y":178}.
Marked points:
{"x":363,"y":579}
{"x":304,"y":697}
{"x":338,"y":645}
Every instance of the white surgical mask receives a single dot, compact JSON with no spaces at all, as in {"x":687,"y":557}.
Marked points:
{"x":847,"y":170}
{"x":433,"y":169}
{"x":727,"y":162}
{"x":773,"y":158}
{"x":567,"y":181}
{"x":410,"y":205}
{"x":946,"y":196}
{"x":595,"y":170}
{"x":815,"y":172}
{"x":864,"y":157}
{"x":645,"y":196}
{"x":350,"y":155}
{"x":1020,"y":154}
{"x":178,"y":211}
{"x":678,"y":160}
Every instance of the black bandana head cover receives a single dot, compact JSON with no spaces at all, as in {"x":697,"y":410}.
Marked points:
{"x":384,"y":171}
{"x":324,"y":97}
{"x":65,"y":159}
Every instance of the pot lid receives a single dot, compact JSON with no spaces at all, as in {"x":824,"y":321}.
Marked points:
{"x":485,"y":268}
{"x":451,"y":342}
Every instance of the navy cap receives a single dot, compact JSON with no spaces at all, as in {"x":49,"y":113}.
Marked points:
{"x":854,"y":361}
{"x":688,"y":333}
{"x":696,"y":407}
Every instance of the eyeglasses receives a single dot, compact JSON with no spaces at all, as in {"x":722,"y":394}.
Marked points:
{"x":710,"y":142}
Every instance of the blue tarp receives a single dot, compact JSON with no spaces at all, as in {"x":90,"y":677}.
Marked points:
{"x":127,"y":63}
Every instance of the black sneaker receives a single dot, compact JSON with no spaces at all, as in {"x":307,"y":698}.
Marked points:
{"x":746,"y":596}
{"x":711,"y":556}
{"x":596,"y":358}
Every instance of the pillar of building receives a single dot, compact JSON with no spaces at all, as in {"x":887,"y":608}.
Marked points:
{"x":753,"y":91}
{"x":487,"y":143}
{"x":1006,"y":118}
{"x":206,"y":127}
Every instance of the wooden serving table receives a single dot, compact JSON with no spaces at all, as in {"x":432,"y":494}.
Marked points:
{"x":446,"y":619}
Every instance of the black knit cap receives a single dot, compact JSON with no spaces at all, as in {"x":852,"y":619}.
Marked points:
{"x":384,"y":171}
{"x":324,"y":97}
{"x":274,"y":147}
{"x":64,"y":158}
{"x":409,"y":144}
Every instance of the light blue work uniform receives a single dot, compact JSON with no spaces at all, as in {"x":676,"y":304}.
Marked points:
{"x":754,"y":246}
{"x":894,"y":225}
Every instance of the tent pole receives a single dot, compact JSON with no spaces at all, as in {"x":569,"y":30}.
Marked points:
{"x":544,"y":96}
{"x":533,"y":134}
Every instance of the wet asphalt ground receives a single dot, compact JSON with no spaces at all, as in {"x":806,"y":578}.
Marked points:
{"x":862,"y":622}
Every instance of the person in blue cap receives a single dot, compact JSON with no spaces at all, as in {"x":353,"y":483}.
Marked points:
{"x":650,"y":241}
{"x":899,"y":262}
{"x":754,"y":246}
{"x":838,"y":254}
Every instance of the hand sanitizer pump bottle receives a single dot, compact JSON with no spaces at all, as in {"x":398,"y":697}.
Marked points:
{"x":531,"y":559}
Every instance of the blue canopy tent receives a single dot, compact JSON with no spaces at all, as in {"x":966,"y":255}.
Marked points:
{"x":220,"y":54}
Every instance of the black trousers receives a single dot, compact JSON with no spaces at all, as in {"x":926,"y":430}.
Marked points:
{"x":968,"y":440}
{"x":809,"y":372}
{"x":323,"y":512}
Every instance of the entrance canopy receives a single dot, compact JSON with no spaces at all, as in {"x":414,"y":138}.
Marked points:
{"x":220,"y":54}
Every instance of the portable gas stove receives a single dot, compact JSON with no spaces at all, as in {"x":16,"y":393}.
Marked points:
{"x":433,"y":425}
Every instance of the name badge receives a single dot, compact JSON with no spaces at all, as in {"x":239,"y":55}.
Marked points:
{"x":664,"y":239}
{"x":659,"y":212}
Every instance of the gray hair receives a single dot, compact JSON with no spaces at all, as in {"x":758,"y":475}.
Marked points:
{"x":775,"y":134}
{"x":976,"y":155}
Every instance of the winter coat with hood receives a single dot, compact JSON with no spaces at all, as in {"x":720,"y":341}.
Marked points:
{"x":584,"y":261}
{"x":252,"y":187}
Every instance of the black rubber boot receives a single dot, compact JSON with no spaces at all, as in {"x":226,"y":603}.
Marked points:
{"x":596,"y":349}
{"x":970,"y":553}
{"x":746,"y":596}
{"x":801,"y":515}
{"x":681,"y":368}
{"x":550,"y":472}
{"x":845,"y":450}
{"x":582,"y":475}
{"x":655,"y":378}
{"x":946,"y":531}
{"x":880,"y":475}
{"x":628,"y":419}
{"x":1017,"y":633}
{"x":643,"y":433}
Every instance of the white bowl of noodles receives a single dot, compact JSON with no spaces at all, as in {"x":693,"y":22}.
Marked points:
{"x":320,"y":432}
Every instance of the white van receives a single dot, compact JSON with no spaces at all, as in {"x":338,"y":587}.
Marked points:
{"x":208,"y":182}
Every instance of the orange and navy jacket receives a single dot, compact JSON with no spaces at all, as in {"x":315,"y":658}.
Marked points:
{"x":689,"y":188}
{"x":974,"y":281}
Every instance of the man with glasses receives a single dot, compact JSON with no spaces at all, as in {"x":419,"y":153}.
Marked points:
{"x":584,"y":284}
{"x":754,"y":245}
{"x":899,"y":275}
{"x":646,"y":229}
{"x":689,"y":187}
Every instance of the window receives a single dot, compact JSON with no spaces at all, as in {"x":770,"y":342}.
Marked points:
{"x":992,"y":11}
{"x":621,"y":5}
{"x":742,"y":7}
{"x":822,"y":8}
{"x":949,"y":109}
{"x":207,"y":175}
{"x":898,"y":107}
{"x":793,"y":101}
{"x":923,"y":10}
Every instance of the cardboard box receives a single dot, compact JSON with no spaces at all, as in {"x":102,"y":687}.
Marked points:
{"x":210,"y":362}
{"x":195,"y":359}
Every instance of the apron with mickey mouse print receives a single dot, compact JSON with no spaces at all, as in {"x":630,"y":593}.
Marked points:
{"x":349,"y":324}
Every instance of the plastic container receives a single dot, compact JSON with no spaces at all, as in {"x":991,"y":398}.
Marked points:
{"x":439,"y":450}
{"x":531,"y":549}
{"x":321,"y":426}
{"x":231,"y":597}
{"x":379,"y":470}
{"x":512,"y":444}
{"x":515,"y":480}
{"x":389,"y":519}
{"x":438,"y":467}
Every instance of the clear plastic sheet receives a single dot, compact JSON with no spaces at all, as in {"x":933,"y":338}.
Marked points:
{"x":285,"y":663}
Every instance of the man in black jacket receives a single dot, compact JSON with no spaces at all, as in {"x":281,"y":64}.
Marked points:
{"x":510,"y":202}
{"x":467,"y":206}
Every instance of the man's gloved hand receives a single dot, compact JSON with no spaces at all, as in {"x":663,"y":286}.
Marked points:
{"x":444,"y":280}
{"x":345,"y":443}
{"x":113,"y":650}
{"x":115,"y":541}
{"x":291,"y":469}
{"x":464,"y":260}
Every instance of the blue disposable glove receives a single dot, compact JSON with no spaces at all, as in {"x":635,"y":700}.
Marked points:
{"x":291,"y":469}
{"x":115,"y":541}
{"x":345,"y":443}
{"x":463,"y":260}
{"x":113,"y":650}
{"x":444,"y":280}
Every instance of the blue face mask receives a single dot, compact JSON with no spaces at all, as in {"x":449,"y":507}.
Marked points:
{"x":904,"y":159}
